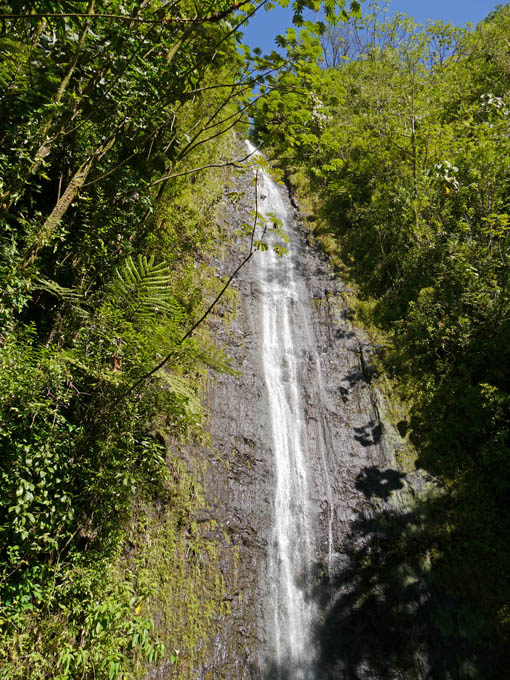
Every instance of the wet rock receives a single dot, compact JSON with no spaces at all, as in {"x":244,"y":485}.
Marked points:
{"x":374,"y":600}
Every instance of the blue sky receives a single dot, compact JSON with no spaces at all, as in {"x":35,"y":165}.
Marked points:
{"x":266,"y":25}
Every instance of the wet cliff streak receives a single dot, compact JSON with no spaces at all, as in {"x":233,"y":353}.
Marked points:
{"x":303,"y":482}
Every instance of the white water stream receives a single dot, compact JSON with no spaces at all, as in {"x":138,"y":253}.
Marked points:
{"x":288,"y":348}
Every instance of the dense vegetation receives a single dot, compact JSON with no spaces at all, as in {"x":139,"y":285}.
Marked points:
{"x":397,"y":134}
{"x":110,"y":112}
{"x":110,"y":115}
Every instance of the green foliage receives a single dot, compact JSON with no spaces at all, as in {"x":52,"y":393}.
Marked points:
{"x":89,"y":636}
{"x":37,"y":511}
{"x":109,"y":111}
{"x":143,"y":289}
{"x":404,"y":145}
{"x":88,"y":307}
{"x":173,"y":552}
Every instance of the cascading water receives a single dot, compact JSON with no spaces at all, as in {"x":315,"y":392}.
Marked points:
{"x":287,"y":344}
{"x":310,"y":505}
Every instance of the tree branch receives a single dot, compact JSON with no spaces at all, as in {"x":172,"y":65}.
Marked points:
{"x":121,"y":17}
{"x":233,"y":164}
{"x":218,"y":297}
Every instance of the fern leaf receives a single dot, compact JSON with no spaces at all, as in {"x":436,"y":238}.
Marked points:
{"x":144,"y":289}
{"x":70,"y":295}
{"x":214,"y":357}
{"x":181,"y":389}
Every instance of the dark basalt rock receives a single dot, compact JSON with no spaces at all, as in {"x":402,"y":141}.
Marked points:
{"x":383,"y":614}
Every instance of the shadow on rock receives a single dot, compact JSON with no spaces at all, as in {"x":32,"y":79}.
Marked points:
{"x":375,"y":482}
{"x":369,"y":434}
{"x":384,"y":614}
{"x":387,"y":615}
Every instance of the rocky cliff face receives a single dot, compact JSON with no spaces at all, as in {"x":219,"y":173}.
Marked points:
{"x":380,"y":614}
{"x":240,"y":480}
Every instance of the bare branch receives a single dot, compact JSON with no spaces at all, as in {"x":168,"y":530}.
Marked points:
{"x":121,"y":17}
{"x":234,"y":164}
{"x":218,"y":297}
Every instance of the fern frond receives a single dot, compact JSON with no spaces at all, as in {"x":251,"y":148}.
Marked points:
{"x":56,"y":289}
{"x":89,"y":368}
{"x":144,"y":289}
{"x":70,"y":295}
{"x":214,"y":357}
{"x":181,"y":389}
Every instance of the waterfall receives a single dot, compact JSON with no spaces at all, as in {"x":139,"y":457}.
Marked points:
{"x":288,"y":354}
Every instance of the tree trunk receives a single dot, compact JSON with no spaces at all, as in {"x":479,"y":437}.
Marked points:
{"x":47,"y":140}
{"x":51,"y":222}
{"x":71,"y":192}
